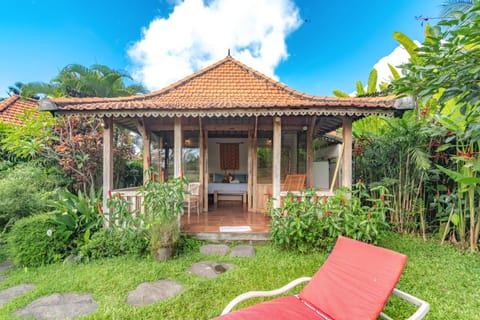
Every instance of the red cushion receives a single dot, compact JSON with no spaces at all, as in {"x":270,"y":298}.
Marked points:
{"x":355,"y":281}
{"x":284,"y":308}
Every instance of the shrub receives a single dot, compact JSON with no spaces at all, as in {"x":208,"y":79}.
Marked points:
{"x":24,"y":190}
{"x":113,"y":242}
{"x":36,"y":241}
{"x":314,"y":223}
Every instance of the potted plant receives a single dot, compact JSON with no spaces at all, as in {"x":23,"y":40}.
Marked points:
{"x":163,"y":207}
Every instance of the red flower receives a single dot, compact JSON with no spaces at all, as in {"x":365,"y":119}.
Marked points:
{"x":119,"y":196}
{"x":154,"y":177}
{"x":448,"y":191}
{"x":163,"y":176}
{"x":109,"y":194}
{"x":99,"y":206}
{"x":343,"y":203}
{"x":327,"y":213}
{"x":382,"y":197}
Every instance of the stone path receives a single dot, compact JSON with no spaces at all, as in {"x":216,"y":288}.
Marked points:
{"x":59,"y":306}
{"x":71,"y":305}
{"x":151,"y":292}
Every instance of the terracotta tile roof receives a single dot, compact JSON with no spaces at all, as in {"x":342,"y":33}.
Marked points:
{"x":225,"y":85}
{"x":13,"y":107}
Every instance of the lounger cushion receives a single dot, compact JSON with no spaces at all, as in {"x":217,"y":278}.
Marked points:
{"x":355,"y":281}
{"x":284,"y":308}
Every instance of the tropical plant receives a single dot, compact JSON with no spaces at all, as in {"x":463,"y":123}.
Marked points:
{"x":451,"y":6}
{"x":313,"y":223}
{"x":76,"y":80}
{"x":163,"y":206}
{"x":78,"y":216}
{"x":447,"y":80}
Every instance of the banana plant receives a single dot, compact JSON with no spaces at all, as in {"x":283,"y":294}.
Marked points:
{"x":462,"y":121}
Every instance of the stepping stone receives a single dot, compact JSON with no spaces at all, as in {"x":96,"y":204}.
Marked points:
{"x":151,"y":292}
{"x":59,"y":306}
{"x":218,"y":249}
{"x":209,"y":269}
{"x":243,"y":251}
{"x":5,"y":265}
{"x":13,"y":292}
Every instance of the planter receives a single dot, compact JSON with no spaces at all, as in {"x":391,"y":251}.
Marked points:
{"x":163,"y":254}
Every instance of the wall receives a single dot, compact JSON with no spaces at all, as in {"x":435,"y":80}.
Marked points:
{"x":214,"y":154}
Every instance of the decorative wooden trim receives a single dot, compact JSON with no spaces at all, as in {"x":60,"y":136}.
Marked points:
{"x":217,"y":113}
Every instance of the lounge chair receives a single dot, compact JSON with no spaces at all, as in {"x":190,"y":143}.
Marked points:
{"x":355,"y":282}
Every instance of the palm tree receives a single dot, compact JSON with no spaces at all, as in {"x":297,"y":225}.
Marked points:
{"x":76,"y":80}
{"x":450,"y":6}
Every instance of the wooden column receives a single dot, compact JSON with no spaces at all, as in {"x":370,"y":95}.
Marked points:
{"x":107,"y":160}
{"x":347,"y":153}
{"x":159,"y":155}
{"x":254,"y":165}
{"x":310,"y":131}
{"x":177,"y":145}
{"x":201,"y":169}
{"x":249,"y":170}
{"x":276,"y":167}
{"x":205,"y":168}
{"x":146,"y":139}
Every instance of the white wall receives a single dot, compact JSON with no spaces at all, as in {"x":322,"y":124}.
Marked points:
{"x":214,"y":154}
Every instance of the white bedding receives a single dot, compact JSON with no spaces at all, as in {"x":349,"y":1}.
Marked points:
{"x":234,"y":187}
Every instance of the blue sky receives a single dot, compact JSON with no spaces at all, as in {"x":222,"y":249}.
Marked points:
{"x":329,"y":44}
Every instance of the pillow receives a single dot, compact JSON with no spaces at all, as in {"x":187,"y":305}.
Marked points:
{"x":242,"y":178}
{"x":218,"y":178}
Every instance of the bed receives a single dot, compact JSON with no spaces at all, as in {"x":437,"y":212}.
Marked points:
{"x":225,"y":191}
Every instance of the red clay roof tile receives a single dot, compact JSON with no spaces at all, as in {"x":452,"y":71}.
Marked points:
{"x":13,"y":107}
{"x":227,"y":84}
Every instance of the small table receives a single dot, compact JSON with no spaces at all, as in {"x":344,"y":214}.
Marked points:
{"x":216,"y":193}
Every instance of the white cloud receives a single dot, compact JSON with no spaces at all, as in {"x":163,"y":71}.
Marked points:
{"x":198,"y":33}
{"x":398,"y":56}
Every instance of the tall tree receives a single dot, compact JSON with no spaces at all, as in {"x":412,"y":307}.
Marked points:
{"x":79,"y":81}
{"x":74,"y":143}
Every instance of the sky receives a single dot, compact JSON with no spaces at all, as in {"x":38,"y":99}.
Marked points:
{"x":310,"y":45}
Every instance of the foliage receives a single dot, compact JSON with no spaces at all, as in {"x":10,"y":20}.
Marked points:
{"x":403,"y":145}
{"x":25,"y":189}
{"x":74,"y":143}
{"x":313,"y":224}
{"x":163,"y":205}
{"x":112,"y":242}
{"x":446,"y":80}
{"x":76,"y":80}
{"x":78,"y":216}
{"x":36,"y":241}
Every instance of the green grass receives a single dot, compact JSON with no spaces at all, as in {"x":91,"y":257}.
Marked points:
{"x":447,"y":279}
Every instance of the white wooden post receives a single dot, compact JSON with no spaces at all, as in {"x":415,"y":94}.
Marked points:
{"x":146,"y":138}
{"x":276,"y":169}
{"x":107,"y":160}
{"x":347,"y":153}
{"x":177,"y":148}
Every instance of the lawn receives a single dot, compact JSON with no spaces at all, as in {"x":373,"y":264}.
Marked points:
{"x":444,"y":277}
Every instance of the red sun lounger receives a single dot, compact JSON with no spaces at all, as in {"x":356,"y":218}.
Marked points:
{"x":355,"y":282}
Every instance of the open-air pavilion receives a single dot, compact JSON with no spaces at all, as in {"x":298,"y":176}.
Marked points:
{"x":230,"y":118}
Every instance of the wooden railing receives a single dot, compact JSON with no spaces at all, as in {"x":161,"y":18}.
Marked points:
{"x":134,"y":199}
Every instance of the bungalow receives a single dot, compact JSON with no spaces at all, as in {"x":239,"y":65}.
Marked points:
{"x":229,"y":119}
